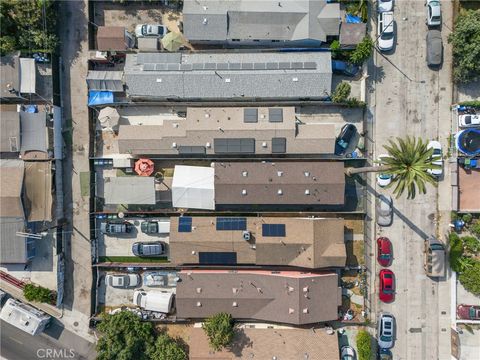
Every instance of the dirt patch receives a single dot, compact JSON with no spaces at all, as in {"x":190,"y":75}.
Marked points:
{"x":355,"y":225}
{"x":355,"y":253}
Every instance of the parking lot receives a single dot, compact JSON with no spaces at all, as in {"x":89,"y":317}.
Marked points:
{"x":121,"y":244}
{"x":112,"y":297}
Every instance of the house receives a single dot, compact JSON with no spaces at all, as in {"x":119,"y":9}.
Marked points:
{"x":233,"y":76}
{"x":102,"y":80}
{"x":228,"y":131}
{"x":34,"y":133}
{"x":24,"y":317}
{"x":261,"y":23}
{"x":114,"y":38}
{"x":287,"y":297}
{"x":279,"y":183}
{"x":38,"y":197}
{"x":300,"y":242}
{"x":15,"y":249}
{"x":133,"y":190}
{"x":251,"y":342}
{"x":10,"y":132}
{"x":193,"y":187}
{"x":19,"y":80}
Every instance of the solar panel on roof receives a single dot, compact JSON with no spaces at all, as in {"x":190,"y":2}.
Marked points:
{"x":234,"y":66}
{"x":259,"y":66}
{"x":284,"y":65}
{"x":209,"y":66}
{"x":217,"y":258}
{"x":185,"y":224}
{"x":309,"y":65}
{"x":275,"y":115}
{"x":186,"y":67}
{"x":160,"y":67}
{"x":148,"y":67}
{"x":197,"y":66}
{"x":234,"y":146}
{"x":173,"y":67}
{"x":247,"y":66}
{"x":277,"y":230}
{"x":272,"y":65}
{"x":222,"y":66}
{"x":250,"y":115}
{"x":279,"y":145}
{"x":231,"y":223}
{"x":297,"y":65}
{"x":188,"y":150}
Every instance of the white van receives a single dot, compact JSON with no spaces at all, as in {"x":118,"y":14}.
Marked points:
{"x":25,"y":317}
{"x":158,"y":301}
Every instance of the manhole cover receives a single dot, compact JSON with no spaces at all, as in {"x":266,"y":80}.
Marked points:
{"x":415,"y":330}
{"x":75,"y":323}
{"x":431,"y":216}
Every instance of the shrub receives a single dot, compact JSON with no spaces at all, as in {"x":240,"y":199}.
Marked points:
{"x":470,"y":278}
{"x":363,"y":51}
{"x":37,"y":293}
{"x":219,"y":330}
{"x":472,"y":103}
{"x":353,"y":102}
{"x":471,"y":243}
{"x":364,"y":345}
{"x":475,"y":228}
{"x":456,"y":251}
{"x":341,"y":92}
{"x":335,"y":48}
{"x":454,"y":216}
{"x":467,"y":218}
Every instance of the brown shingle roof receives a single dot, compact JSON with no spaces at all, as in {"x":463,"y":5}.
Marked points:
{"x":308,"y":242}
{"x":111,"y":38}
{"x":11,"y":183}
{"x":315,"y":183}
{"x":284,"y":297}
{"x":267,"y":343}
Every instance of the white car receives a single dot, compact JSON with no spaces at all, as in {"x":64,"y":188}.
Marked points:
{"x":385,"y":5}
{"x":145,"y":30}
{"x":434,"y":13}
{"x":383,"y":179}
{"x":437,"y":158}
{"x":468,"y":120}
{"x":122,"y":281}
{"x":386,"y":31}
{"x":347,"y":353}
{"x":386,"y":331}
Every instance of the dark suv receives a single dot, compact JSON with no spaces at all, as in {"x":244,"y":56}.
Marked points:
{"x":116,"y":227}
{"x":148,"y":249}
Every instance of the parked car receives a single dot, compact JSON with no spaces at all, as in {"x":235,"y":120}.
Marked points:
{"x":468,"y":312}
{"x":434,"y":48}
{"x":122,"y":281}
{"x":382,"y":178}
{"x":148,"y":249}
{"x":387,"y":285}
{"x":437,"y":158}
{"x":347,"y":353}
{"x":347,"y":134}
{"x":152,"y":30}
{"x":386,"y":330}
{"x":468,"y":120}
{"x":385,"y":5}
{"x":384,"y":251}
{"x":386,"y":31}
{"x":116,"y":227}
{"x":160,"y":279}
{"x":384,"y":354}
{"x":434,"y":257}
{"x":344,"y":68}
{"x":434,"y":13}
{"x":155,"y":227}
{"x":384,"y":210}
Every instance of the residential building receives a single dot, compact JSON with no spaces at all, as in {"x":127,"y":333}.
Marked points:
{"x":228,"y":76}
{"x":261,"y":23}
{"x":114,"y":38}
{"x":252,"y":342}
{"x":10,"y":132}
{"x":24,"y":317}
{"x":35,"y":143}
{"x":300,"y":242}
{"x":227,"y":131}
{"x":287,"y":297}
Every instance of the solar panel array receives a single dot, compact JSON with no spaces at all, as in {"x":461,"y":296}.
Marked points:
{"x":231,"y":223}
{"x":185,"y":224}
{"x":310,"y":65}
{"x":279,"y":145}
{"x":277,"y":230}
{"x":217,"y":258}
{"x":234,"y":146}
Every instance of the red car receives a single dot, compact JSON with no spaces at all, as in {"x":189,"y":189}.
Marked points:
{"x":468,"y":312}
{"x":387,"y":285}
{"x":384,"y":251}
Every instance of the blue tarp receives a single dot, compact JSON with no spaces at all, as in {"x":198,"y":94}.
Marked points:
{"x":351,"y":19}
{"x":100,"y":97}
{"x":31,"y":109}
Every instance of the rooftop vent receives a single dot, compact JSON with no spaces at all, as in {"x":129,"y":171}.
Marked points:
{"x":245,"y":173}
{"x":205,"y":21}
{"x":307,"y":192}
{"x":207,"y":115}
{"x":295,"y":79}
{"x":244,"y":192}
{"x":305,"y":311}
{"x":208,"y":145}
{"x":234,"y":304}
{"x":193,"y":252}
{"x":279,"y":173}
{"x":234,"y":290}
{"x":199,"y":304}
{"x":306,"y":173}
{"x":291,"y":311}
{"x":159,"y":79}
{"x":305,"y":289}
{"x":280,"y":192}
{"x":227,"y":80}
{"x":199,"y":290}
{"x":174,"y":145}
{"x":175,"y":125}
{"x":262,"y":116}
{"x":291,"y":289}
{"x":264,"y":144}
{"x":246,"y":235}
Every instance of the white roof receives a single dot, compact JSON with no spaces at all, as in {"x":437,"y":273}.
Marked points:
{"x":193,"y":187}
{"x":27,"y":76}
{"x":24,"y":317}
{"x":118,"y":190}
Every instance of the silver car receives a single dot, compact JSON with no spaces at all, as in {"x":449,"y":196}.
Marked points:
{"x":384,"y":210}
{"x":122,"y":281}
{"x":386,"y":330}
{"x":434,"y":13}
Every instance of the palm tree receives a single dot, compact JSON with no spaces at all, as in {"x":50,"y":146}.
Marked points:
{"x":407,"y":162}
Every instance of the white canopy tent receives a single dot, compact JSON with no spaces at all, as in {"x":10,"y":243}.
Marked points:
{"x":193,"y":187}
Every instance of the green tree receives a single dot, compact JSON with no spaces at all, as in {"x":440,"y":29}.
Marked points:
{"x":471,"y":244}
{"x":363,"y":51}
{"x":335,"y":48}
{"x":37,"y":293}
{"x":165,"y":348}
{"x":475,"y":228}
{"x":219,"y":330}
{"x":465,"y":40}
{"x":364,"y":345}
{"x":124,"y":337}
{"x":456,"y":251}
{"x":470,"y":278}
{"x":408,"y":161}
{"x":341,"y":92}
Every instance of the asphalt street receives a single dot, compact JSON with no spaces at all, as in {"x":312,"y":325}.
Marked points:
{"x":55,"y":343}
{"x":408,"y":98}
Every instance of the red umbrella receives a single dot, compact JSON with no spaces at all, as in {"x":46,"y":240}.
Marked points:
{"x":144,"y":167}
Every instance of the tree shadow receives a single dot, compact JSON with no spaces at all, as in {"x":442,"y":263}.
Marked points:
{"x":240,"y":342}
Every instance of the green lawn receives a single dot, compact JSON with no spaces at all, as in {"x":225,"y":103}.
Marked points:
{"x":85,"y":183}
{"x":132,"y":259}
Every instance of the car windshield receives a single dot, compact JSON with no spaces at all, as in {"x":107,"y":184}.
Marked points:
{"x":472,"y":312}
{"x":144,"y":29}
{"x":385,"y":338}
{"x":435,"y":18}
{"x":343,"y":143}
{"x":385,"y":256}
{"x":384,"y":176}
{"x":387,"y":35}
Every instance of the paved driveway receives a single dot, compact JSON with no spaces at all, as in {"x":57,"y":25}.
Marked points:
{"x":407,"y":98}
